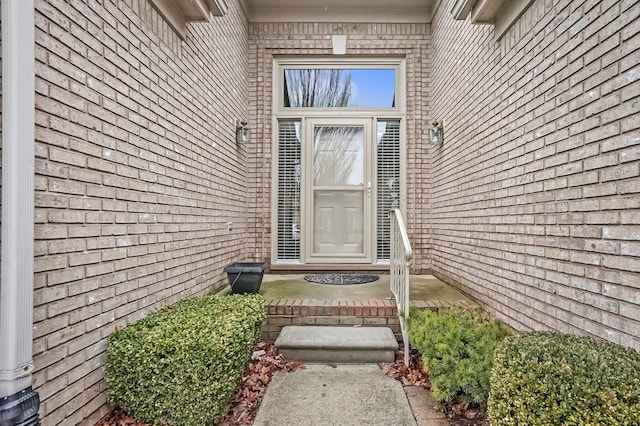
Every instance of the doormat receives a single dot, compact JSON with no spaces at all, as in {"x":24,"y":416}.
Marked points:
{"x":341,"y":279}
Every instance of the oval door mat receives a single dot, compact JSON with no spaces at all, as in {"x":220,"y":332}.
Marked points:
{"x":341,"y":279}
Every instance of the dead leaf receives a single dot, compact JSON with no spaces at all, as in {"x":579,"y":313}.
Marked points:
{"x":471,"y":414}
{"x":244,"y":406}
{"x":412,"y":374}
{"x":459,"y":408}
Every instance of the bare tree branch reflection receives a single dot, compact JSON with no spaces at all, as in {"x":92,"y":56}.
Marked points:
{"x":318,"y":88}
{"x":337,"y":149}
{"x":339,"y":156}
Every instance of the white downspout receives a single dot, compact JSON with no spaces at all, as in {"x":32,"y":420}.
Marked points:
{"x":16,"y":263}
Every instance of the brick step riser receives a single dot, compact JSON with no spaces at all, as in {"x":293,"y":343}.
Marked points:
{"x":347,"y":313}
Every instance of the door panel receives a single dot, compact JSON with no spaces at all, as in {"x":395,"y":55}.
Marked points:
{"x":338,"y":226}
{"x":339,"y":200}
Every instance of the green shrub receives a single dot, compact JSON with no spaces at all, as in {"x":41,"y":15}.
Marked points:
{"x":180,"y":365}
{"x":457,"y":347}
{"x":549,"y":378}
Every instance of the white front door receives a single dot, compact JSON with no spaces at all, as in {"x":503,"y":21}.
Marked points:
{"x":338,"y":201}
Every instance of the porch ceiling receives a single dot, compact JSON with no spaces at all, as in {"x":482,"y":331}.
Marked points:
{"x":383,"y":11}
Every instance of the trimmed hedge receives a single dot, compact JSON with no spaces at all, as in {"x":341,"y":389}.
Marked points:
{"x":550,"y":378}
{"x":180,"y":365}
{"x":457,"y":347}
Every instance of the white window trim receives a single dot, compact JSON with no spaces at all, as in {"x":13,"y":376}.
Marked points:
{"x":280,"y":113}
{"x":178,"y":13}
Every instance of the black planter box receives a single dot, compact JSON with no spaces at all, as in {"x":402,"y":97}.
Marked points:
{"x":245,"y":277}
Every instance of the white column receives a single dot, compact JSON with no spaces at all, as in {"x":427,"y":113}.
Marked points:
{"x":18,"y":132}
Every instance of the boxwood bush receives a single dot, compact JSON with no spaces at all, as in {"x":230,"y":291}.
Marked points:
{"x":180,"y":365}
{"x":550,"y":378}
{"x":457,"y":347}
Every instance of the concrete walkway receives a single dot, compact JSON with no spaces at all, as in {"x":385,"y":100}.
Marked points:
{"x":345,"y":394}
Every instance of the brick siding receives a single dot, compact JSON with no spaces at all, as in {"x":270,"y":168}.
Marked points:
{"x":137,"y":175}
{"x":531,"y":205}
{"x":536,"y":191}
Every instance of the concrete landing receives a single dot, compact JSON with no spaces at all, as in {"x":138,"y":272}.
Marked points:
{"x":325,"y":344}
{"x":421,"y":287}
{"x":321,"y":395}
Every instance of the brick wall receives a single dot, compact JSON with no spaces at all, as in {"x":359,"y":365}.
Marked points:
{"x":531,"y":205}
{"x":536,"y":190}
{"x":410,"y":41}
{"x":137,"y":175}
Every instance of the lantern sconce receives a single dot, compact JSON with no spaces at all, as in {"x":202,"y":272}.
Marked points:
{"x":243,"y":132}
{"x":436,"y":133}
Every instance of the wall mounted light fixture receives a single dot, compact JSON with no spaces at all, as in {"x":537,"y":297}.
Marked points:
{"x":243,"y":132}
{"x":436,"y":133}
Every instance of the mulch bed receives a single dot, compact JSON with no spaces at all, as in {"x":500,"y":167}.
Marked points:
{"x":459,"y":414}
{"x":118,"y":417}
{"x":243,"y":407}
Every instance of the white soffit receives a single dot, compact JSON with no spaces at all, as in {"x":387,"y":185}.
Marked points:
{"x":462,"y":8}
{"x":199,"y":10}
{"x":501,"y":13}
{"x":383,"y":11}
{"x":509,"y":14}
{"x":179,"y":12}
{"x":218,"y":7}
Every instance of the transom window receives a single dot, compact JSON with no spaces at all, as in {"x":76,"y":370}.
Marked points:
{"x":356,"y":84}
{"x":339,"y":88}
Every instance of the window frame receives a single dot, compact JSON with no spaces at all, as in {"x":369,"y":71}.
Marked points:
{"x":280,"y":64}
{"x":280,"y":113}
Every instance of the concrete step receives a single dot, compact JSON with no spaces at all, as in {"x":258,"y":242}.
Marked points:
{"x":327,"y":344}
